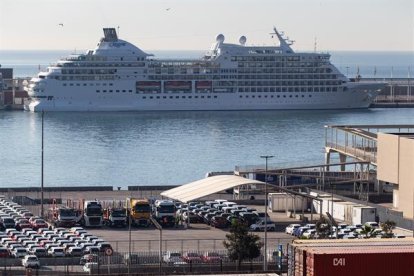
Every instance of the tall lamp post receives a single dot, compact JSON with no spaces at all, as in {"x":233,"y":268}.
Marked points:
{"x":265,"y":220}
{"x":41,"y":183}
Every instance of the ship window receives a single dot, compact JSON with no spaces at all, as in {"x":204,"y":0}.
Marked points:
{"x":144,"y":97}
{"x":259,"y":96}
{"x":71,"y":84}
{"x":64,"y":84}
{"x":215,"y":97}
{"x":290,"y":96}
{"x":310,"y":96}
{"x":130,"y":91}
{"x":209,"y":97}
{"x":297,"y":96}
{"x":240,"y":96}
{"x":104,"y":91}
{"x":284,"y":96}
{"x":151,"y":97}
{"x":177,"y":97}
{"x":111,"y":84}
{"x":98,"y":91}
{"x":183,"y":97}
{"x":123,"y":90}
{"x":265,"y":96}
{"x":202,"y":97}
{"x":189,"y":97}
{"x":247,"y":96}
{"x":104,"y":84}
{"x":303,"y":96}
{"x":111,"y":91}
{"x":253,"y":96}
{"x":196,"y":97}
{"x":164,"y":97}
{"x":85,"y":84}
{"x":171,"y":97}
{"x":117,"y":91}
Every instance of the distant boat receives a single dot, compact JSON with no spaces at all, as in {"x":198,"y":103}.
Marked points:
{"x":118,"y":76}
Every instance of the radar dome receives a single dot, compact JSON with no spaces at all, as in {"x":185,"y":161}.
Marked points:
{"x":242,"y":40}
{"x":220,"y":38}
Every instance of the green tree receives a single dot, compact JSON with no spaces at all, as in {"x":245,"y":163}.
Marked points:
{"x":387,"y":227}
{"x":367,"y":230}
{"x":323,"y":229}
{"x":241,"y":244}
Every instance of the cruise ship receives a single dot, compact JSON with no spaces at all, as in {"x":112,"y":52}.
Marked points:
{"x":118,"y":76}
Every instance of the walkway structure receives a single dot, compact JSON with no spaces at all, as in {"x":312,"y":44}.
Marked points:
{"x":357,"y":141}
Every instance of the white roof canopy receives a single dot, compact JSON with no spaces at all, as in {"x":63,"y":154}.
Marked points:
{"x":207,"y":186}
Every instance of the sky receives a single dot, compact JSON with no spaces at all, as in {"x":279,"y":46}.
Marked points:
{"x":335,"y":25}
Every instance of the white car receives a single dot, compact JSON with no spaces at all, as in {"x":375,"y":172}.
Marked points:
{"x":373,"y":224}
{"x":291,"y":227}
{"x":89,"y":267}
{"x":172,"y":257}
{"x":56,"y":252}
{"x":30,"y":261}
{"x":309,"y":233}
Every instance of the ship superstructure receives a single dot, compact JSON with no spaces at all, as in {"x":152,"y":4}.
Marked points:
{"x":118,"y":76}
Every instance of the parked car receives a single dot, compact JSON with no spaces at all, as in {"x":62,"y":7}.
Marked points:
{"x":172,"y":257}
{"x":39,"y":223}
{"x":192,"y":257}
{"x":291,"y":227}
{"x":211,"y":257}
{"x":56,"y":252}
{"x":88,"y":258}
{"x":219,"y":222}
{"x":260,"y":226}
{"x":90,"y":267}
{"x":31,"y":261}
{"x":19,"y":252}
{"x":4,"y":252}
{"x":38,"y":251}
{"x":74,"y":251}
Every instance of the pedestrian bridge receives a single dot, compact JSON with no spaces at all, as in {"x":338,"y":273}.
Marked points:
{"x":357,"y":141}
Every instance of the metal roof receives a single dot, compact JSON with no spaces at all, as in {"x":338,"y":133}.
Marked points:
{"x":207,"y":186}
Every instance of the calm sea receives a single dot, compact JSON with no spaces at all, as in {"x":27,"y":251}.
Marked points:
{"x":165,"y":148}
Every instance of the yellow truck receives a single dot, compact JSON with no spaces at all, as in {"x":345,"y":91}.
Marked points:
{"x":139,"y":210}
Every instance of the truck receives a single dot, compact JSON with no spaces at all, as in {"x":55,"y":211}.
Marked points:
{"x":115,"y":217}
{"x":92,"y":214}
{"x":139,"y":211}
{"x":164,"y":212}
{"x":61,"y":216}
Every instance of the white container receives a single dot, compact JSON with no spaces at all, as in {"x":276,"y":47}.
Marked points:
{"x":362,"y":214}
{"x":285,"y":202}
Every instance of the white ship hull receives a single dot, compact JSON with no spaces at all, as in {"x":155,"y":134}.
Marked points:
{"x":84,"y":99}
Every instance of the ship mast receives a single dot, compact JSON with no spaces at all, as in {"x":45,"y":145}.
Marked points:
{"x":284,"y":42}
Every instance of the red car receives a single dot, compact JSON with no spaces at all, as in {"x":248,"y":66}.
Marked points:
{"x":4,"y":253}
{"x":211,"y":257}
{"x":39,"y":223}
{"x":23,"y":223}
{"x":192,"y":257}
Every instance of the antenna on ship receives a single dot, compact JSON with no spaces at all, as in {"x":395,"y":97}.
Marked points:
{"x":315,"y":44}
{"x":284,"y":42}
{"x":117,"y":30}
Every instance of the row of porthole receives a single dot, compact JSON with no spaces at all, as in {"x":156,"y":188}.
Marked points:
{"x":272,"y":96}
{"x":178,"y":97}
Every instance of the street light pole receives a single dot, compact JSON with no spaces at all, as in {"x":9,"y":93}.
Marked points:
{"x":265,"y":220}
{"x":41,"y":183}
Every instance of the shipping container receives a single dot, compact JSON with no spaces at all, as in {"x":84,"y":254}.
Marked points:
{"x":360,"y":261}
{"x":284,"y":202}
{"x":362,"y":214}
